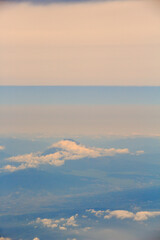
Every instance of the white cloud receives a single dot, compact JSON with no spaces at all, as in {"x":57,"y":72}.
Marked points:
{"x":80,"y":227}
{"x":123,"y":214}
{"x":71,"y":221}
{"x":96,"y":213}
{"x":120,"y":214}
{"x":47,"y":222}
{"x":11,"y":168}
{"x":60,"y":224}
{"x":142,"y":216}
{"x":2,"y":147}
{"x":63,"y":151}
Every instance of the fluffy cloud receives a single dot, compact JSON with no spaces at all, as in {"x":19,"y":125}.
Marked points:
{"x":75,"y":224}
{"x":123,"y":214}
{"x":10,"y":168}
{"x":2,"y":148}
{"x":60,"y":152}
{"x":120,"y":214}
{"x":60,"y":224}
{"x":47,"y":222}
{"x":96,"y":213}
{"x":142,"y":216}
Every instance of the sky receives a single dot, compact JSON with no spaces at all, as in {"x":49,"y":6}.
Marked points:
{"x":79,"y":119}
{"x":75,"y":43}
{"x":80,"y":43}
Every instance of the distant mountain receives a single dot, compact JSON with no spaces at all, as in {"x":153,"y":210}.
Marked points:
{"x":53,"y":150}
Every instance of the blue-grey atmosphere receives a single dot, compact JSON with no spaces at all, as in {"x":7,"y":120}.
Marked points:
{"x":91,"y":95}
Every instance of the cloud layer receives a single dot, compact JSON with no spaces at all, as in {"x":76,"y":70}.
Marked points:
{"x":61,"y":224}
{"x":77,"y":224}
{"x":60,"y":152}
{"x":123,"y":214}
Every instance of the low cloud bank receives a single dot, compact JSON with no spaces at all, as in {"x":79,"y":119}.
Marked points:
{"x":123,"y":214}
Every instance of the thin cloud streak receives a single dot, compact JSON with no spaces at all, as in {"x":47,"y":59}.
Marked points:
{"x":69,"y":121}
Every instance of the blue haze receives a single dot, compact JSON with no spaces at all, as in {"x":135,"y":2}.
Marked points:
{"x":54,"y":95}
